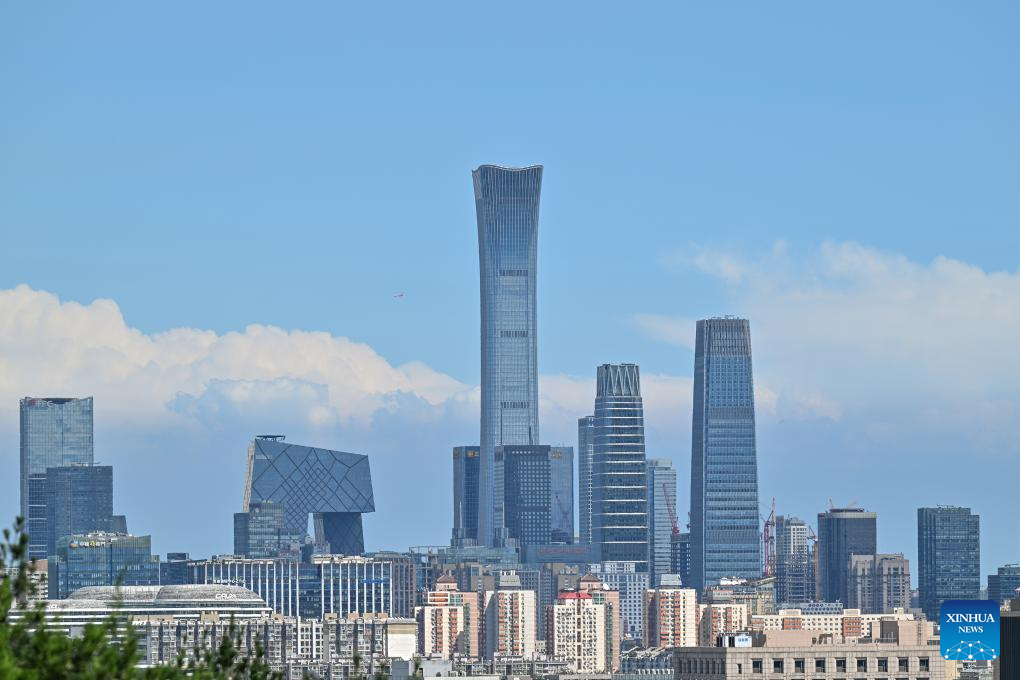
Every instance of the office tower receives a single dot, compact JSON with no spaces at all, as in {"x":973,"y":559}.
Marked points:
{"x":449,"y":622}
{"x":173,"y":571}
{"x":378,"y":583}
{"x":576,"y":632}
{"x":842,"y":532}
{"x":877,"y":584}
{"x":1004,"y":585}
{"x":465,"y":494}
{"x":585,"y":463}
{"x":561,"y":479}
{"x":527,"y":492}
{"x":680,"y":557}
{"x":101,"y":559}
{"x":506,"y":204}
{"x":948,"y":556}
{"x":334,"y":485}
{"x":619,"y":487}
{"x":671,"y":614}
{"x":661,"y":492}
{"x":795,"y":575}
{"x":54,"y":433}
{"x":263,"y":531}
{"x":725,"y":539}
{"x":118,"y":524}
{"x":510,"y":619}
{"x":79,"y":500}
{"x":600,"y":594}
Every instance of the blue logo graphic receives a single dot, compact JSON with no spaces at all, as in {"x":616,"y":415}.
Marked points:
{"x":969,"y":630}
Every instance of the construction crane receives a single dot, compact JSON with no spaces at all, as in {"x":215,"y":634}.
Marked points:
{"x":768,"y":542}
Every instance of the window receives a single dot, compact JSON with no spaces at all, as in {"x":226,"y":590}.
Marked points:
{"x":904,"y":665}
{"x":756,"y":666}
{"x":862,"y":665}
{"x":777,"y":665}
{"x":798,"y":665}
{"x":923,"y":664}
{"x":819,"y":665}
{"x":841,"y":665}
{"x":883,"y":665}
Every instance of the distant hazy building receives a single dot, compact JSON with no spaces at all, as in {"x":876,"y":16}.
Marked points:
{"x":619,"y":486}
{"x":842,"y":532}
{"x":334,"y":485}
{"x":101,"y":559}
{"x":263,"y":531}
{"x":576,"y":632}
{"x":79,"y":500}
{"x":526,"y":472}
{"x":631,"y":584}
{"x":1004,"y":584}
{"x":585,"y":465}
{"x":510,"y":620}
{"x":671,"y":614}
{"x":661,"y":478}
{"x":725,"y":528}
{"x":561,"y":495}
{"x":795,"y":574}
{"x":506,"y":205}
{"x":449,"y":622}
{"x":759,"y":595}
{"x":878,"y":584}
{"x":466,"y":468}
{"x":174,"y":569}
{"x":948,"y":556}
{"x":55,"y":432}
{"x":119,"y":525}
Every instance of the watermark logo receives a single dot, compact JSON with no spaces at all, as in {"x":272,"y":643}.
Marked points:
{"x":969,"y":630}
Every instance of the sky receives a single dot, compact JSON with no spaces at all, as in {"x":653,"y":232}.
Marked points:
{"x":207,"y":209}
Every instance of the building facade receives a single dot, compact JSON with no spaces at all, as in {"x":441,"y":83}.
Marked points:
{"x":101,"y":559}
{"x":619,"y":482}
{"x":604,"y":595}
{"x":335,"y":486}
{"x":795,"y":574}
{"x":671,"y":615}
{"x":55,"y":432}
{"x":585,"y":468}
{"x":449,"y":623}
{"x":724,"y":463}
{"x":510,"y":623}
{"x":561,"y":495}
{"x":680,"y":557}
{"x":842,"y":532}
{"x":79,"y":500}
{"x":1004,"y":585}
{"x":631,"y":584}
{"x":576,"y":632}
{"x":527,"y":492}
{"x":466,"y":468}
{"x":263,"y":532}
{"x":661,"y":479}
{"x":878,"y":583}
{"x":506,"y":206}
{"x":948,"y":556}
{"x":721,"y":618}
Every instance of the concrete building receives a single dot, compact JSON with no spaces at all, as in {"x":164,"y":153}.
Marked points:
{"x":631,"y":584}
{"x":449,"y":624}
{"x":795,"y":574}
{"x":758,"y":594}
{"x":671,"y":615}
{"x":848,"y":625}
{"x":576,"y":632}
{"x":842,"y":532}
{"x":510,"y":620}
{"x":878,"y":583}
{"x":716,"y":619}
{"x":602,"y":594}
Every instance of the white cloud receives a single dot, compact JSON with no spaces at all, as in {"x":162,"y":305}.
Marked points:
{"x":668,"y":329}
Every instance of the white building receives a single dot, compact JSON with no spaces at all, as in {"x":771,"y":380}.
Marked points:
{"x":577,"y":632}
{"x":624,"y":578}
{"x":510,"y":619}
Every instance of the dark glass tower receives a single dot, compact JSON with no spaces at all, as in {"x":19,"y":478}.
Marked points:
{"x":842,"y":532}
{"x":724,"y":462}
{"x":506,"y":203}
{"x":79,"y":501}
{"x":465,"y":493}
{"x":561,"y":481}
{"x":619,"y":486}
{"x":585,"y":459}
{"x":54,"y":433}
{"x":948,"y":556}
{"x":538,"y":486}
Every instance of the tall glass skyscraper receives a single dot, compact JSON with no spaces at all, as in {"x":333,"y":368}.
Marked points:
{"x":79,"y":500}
{"x":661,"y":498}
{"x":948,"y":556}
{"x":724,"y":462}
{"x":506,"y":203}
{"x":585,"y":460}
{"x":465,"y":493}
{"x":619,"y":486}
{"x":842,"y":532}
{"x":54,"y":433}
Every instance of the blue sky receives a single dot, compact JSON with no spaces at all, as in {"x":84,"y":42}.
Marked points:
{"x":845,"y":176}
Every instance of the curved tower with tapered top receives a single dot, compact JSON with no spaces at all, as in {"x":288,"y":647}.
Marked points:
{"x":506,"y":202}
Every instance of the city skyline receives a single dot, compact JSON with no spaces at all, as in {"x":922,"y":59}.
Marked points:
{"x":220,"y":262}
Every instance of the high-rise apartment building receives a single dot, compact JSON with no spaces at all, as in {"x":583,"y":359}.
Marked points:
{"x":948,"y":556}
{"x":842,"y":532}
{"x":630,"y":584}
{"x":510,"y":620}
{"x":878,"y":584}
{"x":724,"y":462}
{"x":661,"y":478}
{"x":506,"y":205}
{"x":576,"y":632}
{"x":79,"y":500}
{"x":465,"y":493}
{"x":604,"y":595}
{"x":335,"y":486}
{"x":55,"y":432}
{"x":449,"y":623}
{"x":619,"y":486}
{"x":585,"y":466}
{"x":720,"y":618}
{"x":671,"y":614}
{"x":795,"y":574}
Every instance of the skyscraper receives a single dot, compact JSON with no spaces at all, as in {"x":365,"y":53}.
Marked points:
{"x":661,"y":504}
{"x":795,"y":575}
{"x":465,"y":493}
{"x":506,"y":204}
{"x":724,"y":461}
{"x":619,"y":486}
{"x":54,"y":432}
{"x":561,"y":481}
{"x":79,"y":500}
{"x":538,"y":485}
{"x":842,"y":532}
{"x":948,"y":556}
{"x":585,"y":460}
{"x":334,"y":485}
{"x":1004,"y":584}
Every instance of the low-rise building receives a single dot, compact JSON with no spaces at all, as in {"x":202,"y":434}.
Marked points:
{"x":850,"y":624}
